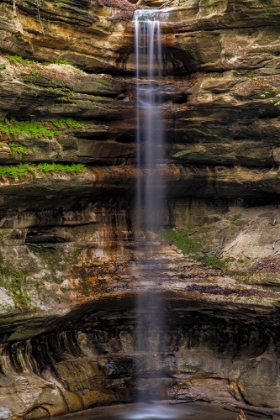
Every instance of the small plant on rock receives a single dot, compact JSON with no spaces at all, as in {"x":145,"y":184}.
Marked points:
{"x":18,"y":289}
{"x":273,"y":95}
{"x":75,"y":168}
{"x":32,"y":129}
{"x":18,"y":148}
{"x":61,"y":61}
{"x":22,"y":170}
{"x":17,"y":59}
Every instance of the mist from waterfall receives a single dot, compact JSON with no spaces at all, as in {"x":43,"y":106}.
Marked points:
{"x":150,"y":196}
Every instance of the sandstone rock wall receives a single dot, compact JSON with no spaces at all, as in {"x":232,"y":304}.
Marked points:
{"x":68,"y":258}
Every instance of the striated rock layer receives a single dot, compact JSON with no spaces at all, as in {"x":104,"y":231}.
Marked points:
{"x":69,"y":264}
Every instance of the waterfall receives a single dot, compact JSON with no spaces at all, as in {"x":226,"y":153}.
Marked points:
{"x":150,"y":135}
{"x":150,"y":197}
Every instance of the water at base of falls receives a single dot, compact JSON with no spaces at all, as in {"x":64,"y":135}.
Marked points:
{"x":154,"y":412}
{"x":187,"y":411}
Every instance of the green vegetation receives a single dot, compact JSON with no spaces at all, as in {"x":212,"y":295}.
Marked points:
{"x":60,"y":90}
{"x":17,"y":148}
{"x":104,"y":82}
{"x":36,"y":129}
{"x":191,"y":242}
{"x":214,"y":261}
{"x":235,"y":219}
{"x":26,"y":169}
{"x":92,"y":228}
{"x":18,"y":289}
{"x":33,"y":129}
{"x":183,"y":240}
{"x":18,"y":59}
{"x":68,"y":122}
{"x":3,"y":233}
{"x":19,"y":171}
{"x":75,"y":168}
{"x":272,"y":95}
{"x":61,"y":61}
{"x":35,"y":72}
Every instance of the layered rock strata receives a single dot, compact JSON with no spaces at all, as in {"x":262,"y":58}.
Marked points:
{"x":69,"y":262}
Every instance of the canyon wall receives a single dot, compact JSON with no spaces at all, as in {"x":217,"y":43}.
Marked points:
{"x":69,"y":273}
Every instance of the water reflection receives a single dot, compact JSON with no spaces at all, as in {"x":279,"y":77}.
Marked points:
{"x":194,"y":411}
{"x":155,"y":412}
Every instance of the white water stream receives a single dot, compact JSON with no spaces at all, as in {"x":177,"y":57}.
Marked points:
{"x":150,"y":129}
{"x":150,"y":197}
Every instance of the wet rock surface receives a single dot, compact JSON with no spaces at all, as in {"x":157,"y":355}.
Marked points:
{"x":70,"y":268}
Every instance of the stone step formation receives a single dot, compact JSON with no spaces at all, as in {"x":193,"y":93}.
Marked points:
{"x":69,"y":258}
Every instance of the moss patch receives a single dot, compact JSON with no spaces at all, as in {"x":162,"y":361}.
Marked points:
{"x":183,"y":239}
{"x":37,"y":129}
{"x":192,"y":243}
{"x":16,"y":285}
{"x":26,"y":169}
{"x":52,"y":258}
{"x":33,"y":129}
{"x":19,"y":291}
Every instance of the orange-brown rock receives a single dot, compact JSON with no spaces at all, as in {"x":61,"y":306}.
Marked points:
{"x":70,"y":268}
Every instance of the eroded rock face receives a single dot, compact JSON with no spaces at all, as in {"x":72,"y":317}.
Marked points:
{"x":69,"y":262}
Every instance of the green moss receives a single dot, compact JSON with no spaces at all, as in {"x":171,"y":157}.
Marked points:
{"x":18,"y":59}
{"x":215,"y":262}
{"x":87,"y":230}
{"x":3,"y":233}
{"x":62,"y":123}
{"x":17,"y":148}
{"x":235,"y":219}
{"x":92,"y":228}
{"x":35,"y":72}
{"x":61,"y":61}
{"x":104,"y":82}
{"x":54,"y":261}
{"x":192,"y":242}
{"x":182,"y":239}
{"x":21,"y":170}
{"x":33,"y":129}
{"x":75,"y":168}
{"x":37,"y":129}
{"x":60,"y":90}
{"x":18,"y":289}
{"x":77,"y":250}
{"x":49,"y":255}
{"x":26,"y":169}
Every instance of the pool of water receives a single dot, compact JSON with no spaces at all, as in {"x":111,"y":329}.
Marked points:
{"x":187,"y":411}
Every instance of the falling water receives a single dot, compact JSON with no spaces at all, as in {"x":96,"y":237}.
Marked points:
{"x":150,"y":197}
{"x":150,"y":138}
